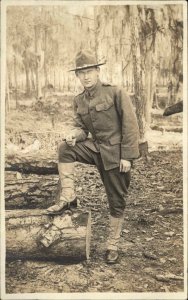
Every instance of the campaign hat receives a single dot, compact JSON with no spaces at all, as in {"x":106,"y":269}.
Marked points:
{"x":86,"y":59}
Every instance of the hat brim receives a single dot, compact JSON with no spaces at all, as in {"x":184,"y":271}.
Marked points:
{"x":87,"y":67}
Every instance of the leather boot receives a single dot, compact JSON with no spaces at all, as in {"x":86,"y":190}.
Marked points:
{"x":67,"y":194}
{"x":113,"y":239}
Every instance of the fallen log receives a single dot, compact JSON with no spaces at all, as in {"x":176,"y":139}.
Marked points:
{"x":173,"y":109}
{"x":167,"y":128}
{"x":31,"y":165}
{"x":32,"y":234}
{"x":30,"y":191}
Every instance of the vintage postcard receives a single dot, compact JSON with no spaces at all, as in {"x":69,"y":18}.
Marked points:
{"x":93,"y":150}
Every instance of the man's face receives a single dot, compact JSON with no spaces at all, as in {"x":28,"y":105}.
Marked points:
{"x":88,"y":77}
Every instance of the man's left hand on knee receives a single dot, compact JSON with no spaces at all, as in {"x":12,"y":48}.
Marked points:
{"x":125,"y":165}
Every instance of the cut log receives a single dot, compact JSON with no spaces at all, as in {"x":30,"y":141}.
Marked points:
{"x":32,"y":234}
{"x":34,"y":191}
{"x":174,"y":109}
{"x":31,"y":165}
{"x":167,"y":128}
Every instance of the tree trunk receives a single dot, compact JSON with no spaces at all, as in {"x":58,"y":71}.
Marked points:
{"x":54,"y":81}
{"x":36,"y":68}
{"x":32,"y":79}
{"x":137,"y":84}
{"x":122,"y":74}
{"x":59,"y":77}
{"x":148,"y":87}
{"x":7,"y":102}
{"x":34,"y":234}
{"x":15,"y":81}
{"x":27,"y":78}
{"x":45,"y":56}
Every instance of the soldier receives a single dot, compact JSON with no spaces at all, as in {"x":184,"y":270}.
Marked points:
{"x":107,"y":113}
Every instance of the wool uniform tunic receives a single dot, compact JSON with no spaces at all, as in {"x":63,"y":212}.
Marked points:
{"x":107,"y":113}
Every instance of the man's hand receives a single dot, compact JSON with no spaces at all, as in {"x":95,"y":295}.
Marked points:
{"x":125,"y":165}
{"x":70,"y":140}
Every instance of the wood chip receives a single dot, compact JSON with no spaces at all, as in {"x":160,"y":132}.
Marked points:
{"x":149,"y":239}
{"x":168,"y":277}
{"x":170,"y":233}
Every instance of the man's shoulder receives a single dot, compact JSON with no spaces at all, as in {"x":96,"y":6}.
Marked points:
{"x":79,"y":96}
{"x":108,"y":88}
{"x":120,"y":90}
{"x":113,"y":86}
{"x":113,"y":89}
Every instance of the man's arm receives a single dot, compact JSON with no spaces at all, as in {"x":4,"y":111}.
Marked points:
{"x":129,"y":126}
{"x":79,"y":132}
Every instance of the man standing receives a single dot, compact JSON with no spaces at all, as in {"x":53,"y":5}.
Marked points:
{"x":107,"y":113}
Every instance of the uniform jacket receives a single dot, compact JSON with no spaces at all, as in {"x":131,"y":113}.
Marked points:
{"x":108,"y":114}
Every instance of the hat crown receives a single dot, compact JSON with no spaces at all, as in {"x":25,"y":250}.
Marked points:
{"x":85,"y":58}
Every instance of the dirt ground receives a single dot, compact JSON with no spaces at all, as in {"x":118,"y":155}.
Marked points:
{"x":151,"y":247}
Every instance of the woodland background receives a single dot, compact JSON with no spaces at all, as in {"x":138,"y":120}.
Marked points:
{"x":143,"y":49}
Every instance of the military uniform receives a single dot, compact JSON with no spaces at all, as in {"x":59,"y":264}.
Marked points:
{"x":107,"y":113}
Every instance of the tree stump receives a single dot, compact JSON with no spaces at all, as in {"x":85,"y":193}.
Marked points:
{"x":143,"y":149}
{"x":33,"y":234}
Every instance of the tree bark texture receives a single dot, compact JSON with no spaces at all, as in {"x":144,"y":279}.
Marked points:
{"x":7,"y":102}
{"x":45,"y":59}
{"x":34,"y":191}
{"x":32,"y":234}
{"x":148,"y":87}
{"x":26,"y":62}
{"x":36,"y":69}
{"x":30,"y":165}
{"x":15,"y":81}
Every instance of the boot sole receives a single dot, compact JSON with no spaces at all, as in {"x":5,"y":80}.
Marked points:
{"x":65,"y":208}
{"x":55,"y":213}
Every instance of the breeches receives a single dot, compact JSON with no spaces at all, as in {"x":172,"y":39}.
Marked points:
{"x":115,"y":182}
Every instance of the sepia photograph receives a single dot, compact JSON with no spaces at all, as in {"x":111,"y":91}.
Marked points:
{"x":93,"y":150}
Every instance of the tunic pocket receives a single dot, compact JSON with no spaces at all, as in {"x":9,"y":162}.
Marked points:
{"x":105,"y":105}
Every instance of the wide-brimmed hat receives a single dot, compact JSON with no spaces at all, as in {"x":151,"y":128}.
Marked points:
{"x":86,"y":59}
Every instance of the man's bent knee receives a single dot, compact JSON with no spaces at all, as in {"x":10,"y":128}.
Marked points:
{"x":66,"y":153}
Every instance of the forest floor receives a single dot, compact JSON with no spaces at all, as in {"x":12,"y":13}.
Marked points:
{"x":151,"y":248}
